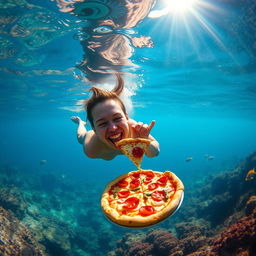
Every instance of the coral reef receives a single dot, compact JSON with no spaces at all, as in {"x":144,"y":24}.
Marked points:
{"x":15,"y":238}
{"x":196,"y":240}
{"x":236,"y":240}
{"x":55,"y":235}
{"x":192,"y":235}
{"x":60,"y":213}
{"x":250,"y":205}
{"x":162,"y":242}
{"x":49,"y":214}
{"x":11,"y":198}
{"x":242,"y":234}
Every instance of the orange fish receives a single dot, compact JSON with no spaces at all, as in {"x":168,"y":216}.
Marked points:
{"x":250,"y":175}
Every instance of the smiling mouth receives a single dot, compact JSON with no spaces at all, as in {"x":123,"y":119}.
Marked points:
{"x":115,"y":138}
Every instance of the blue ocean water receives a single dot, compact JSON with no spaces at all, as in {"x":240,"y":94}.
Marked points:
{"x":197,"y":82}
{"x":193,"y":73}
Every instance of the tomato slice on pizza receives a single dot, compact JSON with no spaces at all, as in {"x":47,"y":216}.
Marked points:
{"x":134,"y":149}
{"x":142,"y":198}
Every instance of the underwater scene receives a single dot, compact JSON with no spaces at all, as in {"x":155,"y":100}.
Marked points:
{"x":188,"y":69}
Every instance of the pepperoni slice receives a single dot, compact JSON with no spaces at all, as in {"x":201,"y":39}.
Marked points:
{"x":150,"y":175}
{"x":158,"y":196}
{"x":134,"y":183}
{"x":135,"y":175}
{"x":147,"y":181}
{"x":131,"y":203}
{"x":146,"y":210}
{"x":123,"y":194}
{"x":137,"y":152}
{"x":122,"y":183}
{"x":153,"y":186}
{"x":162,"y":181}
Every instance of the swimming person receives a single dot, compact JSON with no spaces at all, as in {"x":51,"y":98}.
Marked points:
{"x":110,"y":123}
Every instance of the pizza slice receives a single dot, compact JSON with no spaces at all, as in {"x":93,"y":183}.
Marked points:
{"x":134,"y":149}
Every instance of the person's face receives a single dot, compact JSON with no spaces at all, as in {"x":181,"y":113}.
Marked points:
{"x":110,"y":122}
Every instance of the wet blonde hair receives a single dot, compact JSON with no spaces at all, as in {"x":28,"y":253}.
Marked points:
{"x":99,"y":95}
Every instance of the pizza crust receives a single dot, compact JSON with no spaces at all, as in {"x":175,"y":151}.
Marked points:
{"x":139,"y":221}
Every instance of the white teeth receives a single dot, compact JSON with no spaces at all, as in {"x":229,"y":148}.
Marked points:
{"x":115,"y":136}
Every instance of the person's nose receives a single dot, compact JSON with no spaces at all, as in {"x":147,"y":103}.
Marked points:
{"x":112,"y":126}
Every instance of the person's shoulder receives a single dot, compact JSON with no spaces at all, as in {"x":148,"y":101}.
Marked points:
{"x":94,"y":147}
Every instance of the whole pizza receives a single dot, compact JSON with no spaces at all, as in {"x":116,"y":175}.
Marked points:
{"x":142,"y":198}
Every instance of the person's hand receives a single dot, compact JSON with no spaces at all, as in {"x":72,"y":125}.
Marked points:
{"x":140,"y":130}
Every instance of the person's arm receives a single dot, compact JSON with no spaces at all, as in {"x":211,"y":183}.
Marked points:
{"x":153,"y":149}
{"x":141,"y":130}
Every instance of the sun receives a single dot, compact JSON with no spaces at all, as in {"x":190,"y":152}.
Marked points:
{"x":180,"y":6}
{"x":175,"y":7}
{"x":189,"y":23}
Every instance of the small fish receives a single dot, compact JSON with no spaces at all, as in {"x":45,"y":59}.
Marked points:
{"x":250,"y":175}
{"x":211,"y":157}
{"x":42,"y":162}
{"x":189,"y":159}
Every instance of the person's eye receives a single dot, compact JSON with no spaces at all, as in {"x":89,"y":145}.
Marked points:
{"x":118,"y":118}
{"x":102,"y":124}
